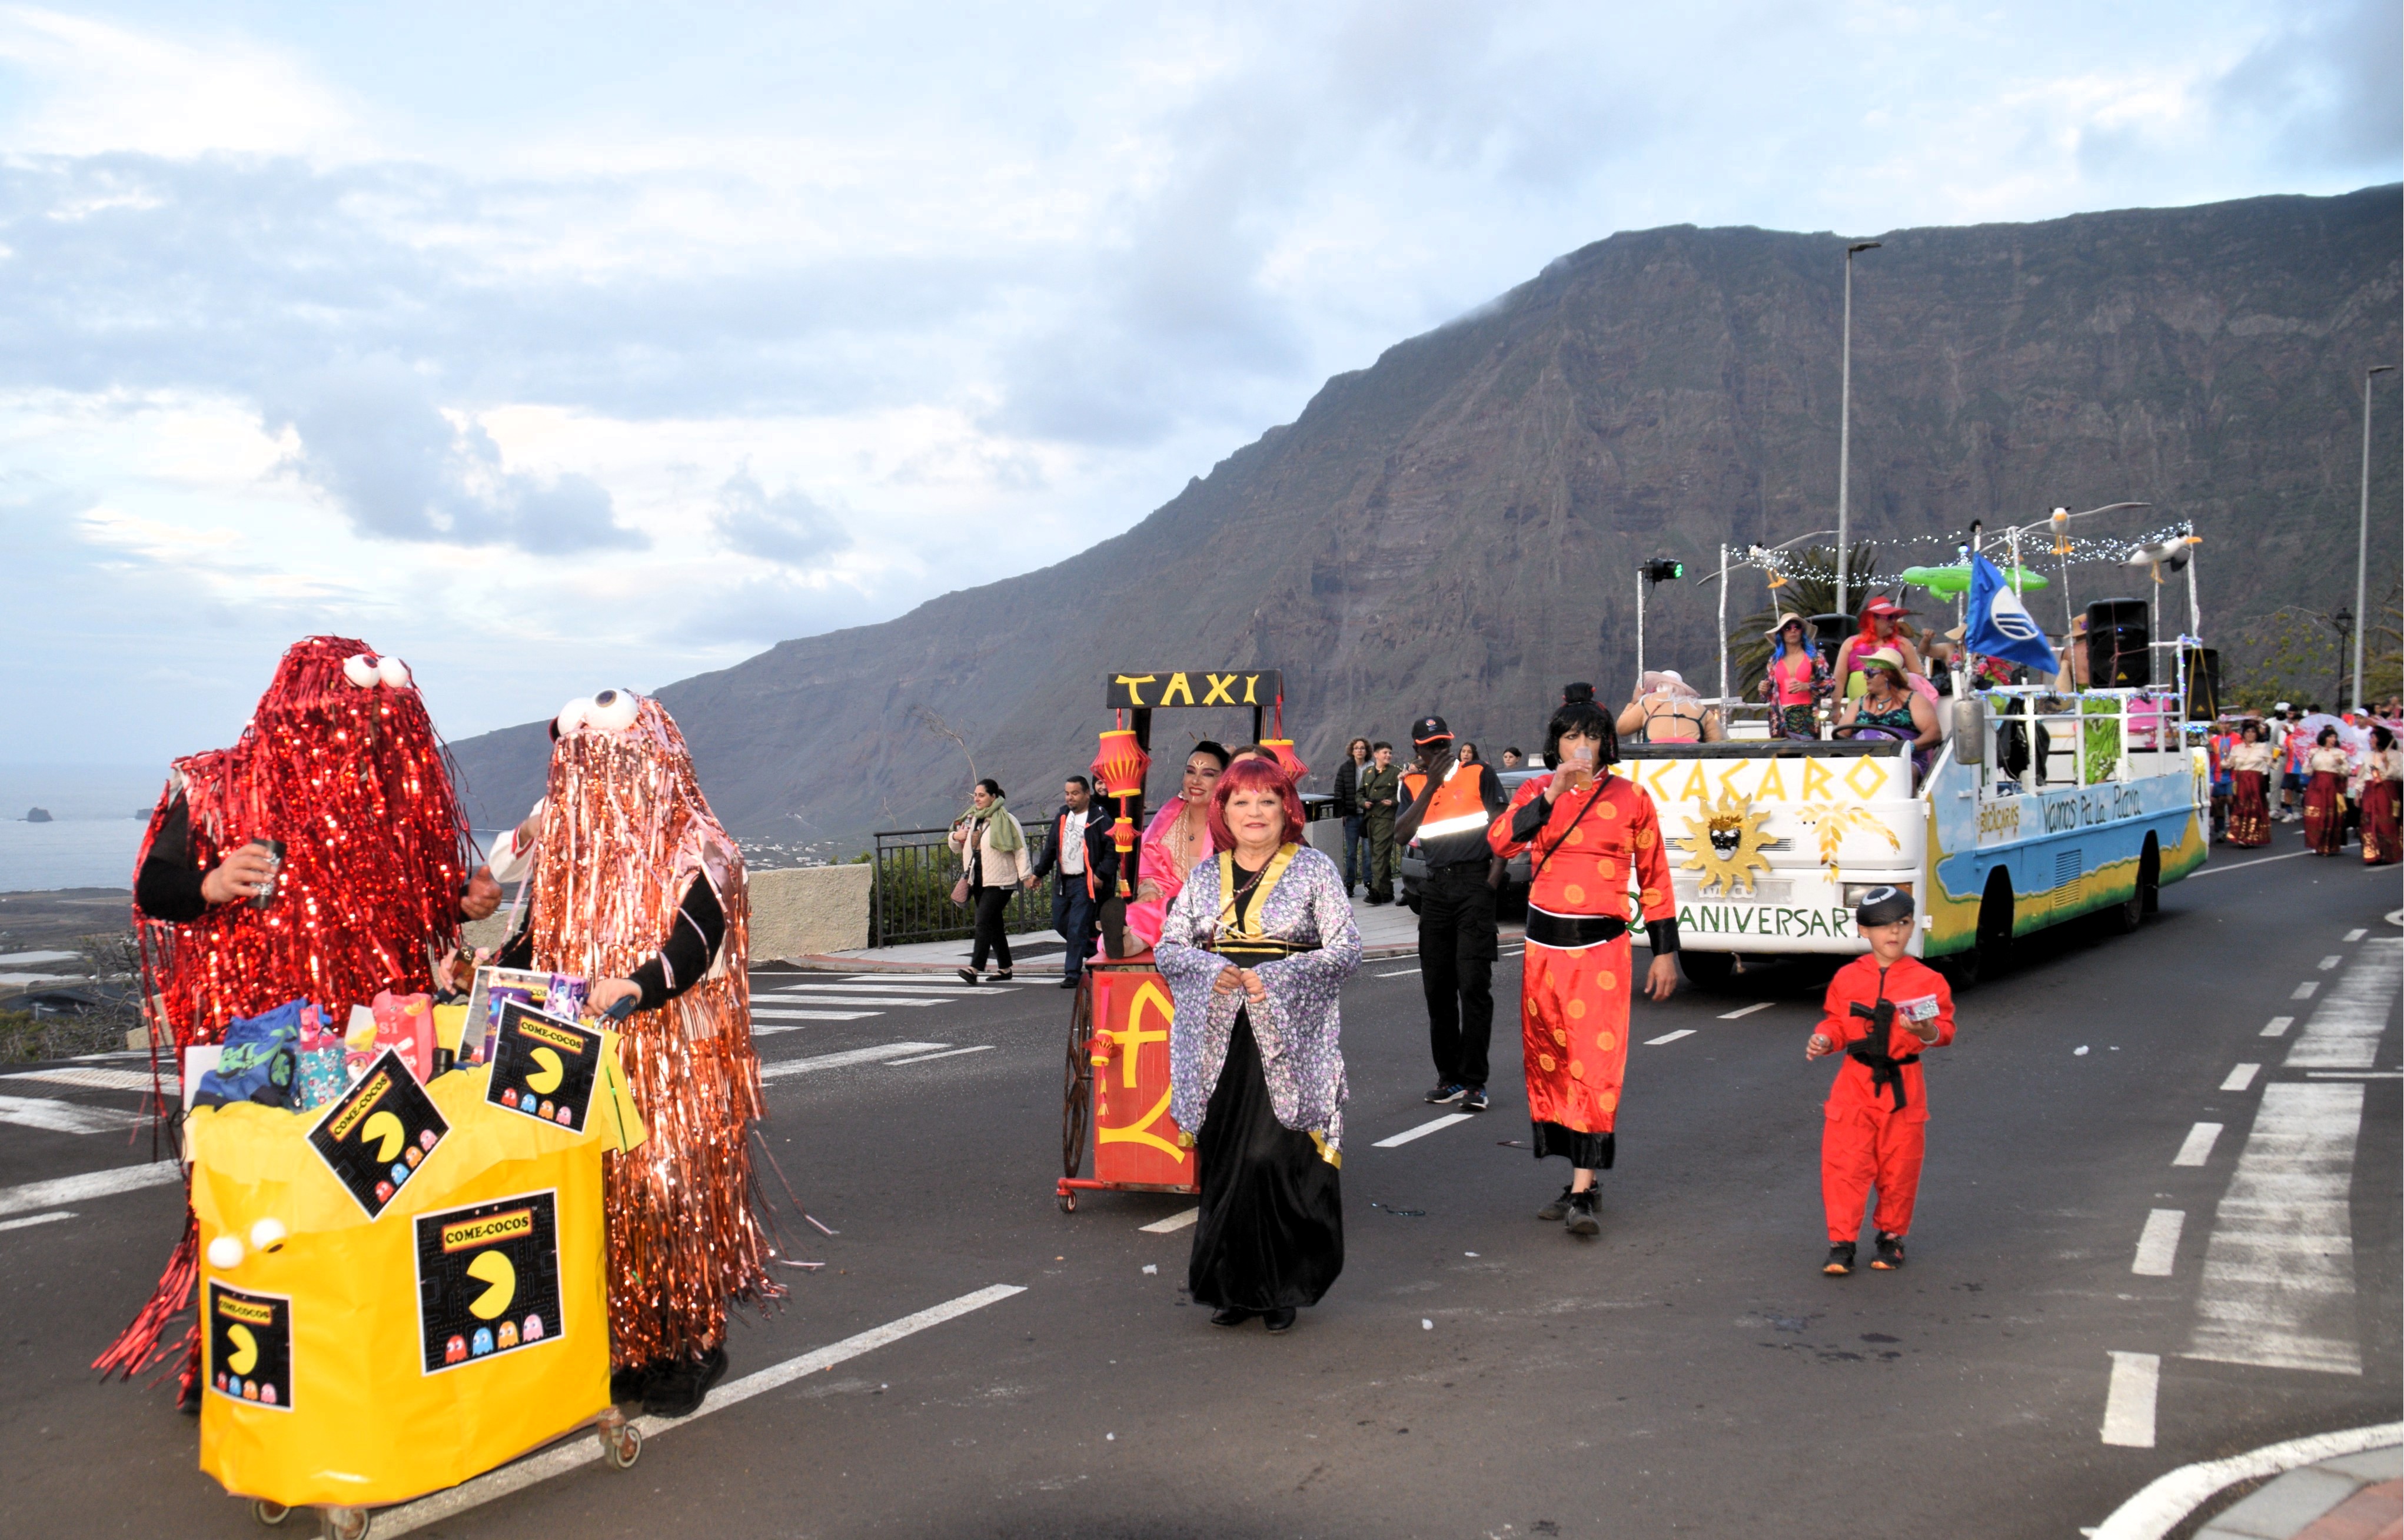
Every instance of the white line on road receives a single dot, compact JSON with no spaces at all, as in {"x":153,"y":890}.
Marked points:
{"x":2243,"y":865}
{"x":81,"y":1189}
{"x":793,"y":1021}
{"x":1668,"y":1037}
{"x":2198,"y":1148}
{"x":2306,"y":990}
{"x":2278,"y":1273}
{"x":948,"y":1052}
{"x":51,"y":1218}
{"x":582,"y":1448}
{"x":2278,"y":1026}
{"x":2240,"y":1077}
{"x":2353,"y":1075}
{"x":1173,"y":1223}
{"x":1424,"y":1130}
{"x":844,"y":1059}
{"x":2355,"y":935}
{"x":817,"y":996}
{"x":102,"y":1080}
{"x":1399,"y":972}
{"x":2158,"y":1243}
{"x":1748,"y":1010}
{"x":2129,"y":1407}
{"x":2327,"y":963}
{"x":2344,"y":1030}
{"x":2169,"y":1498}
{"x":64,"y":1117}
{"x":888,"y":981}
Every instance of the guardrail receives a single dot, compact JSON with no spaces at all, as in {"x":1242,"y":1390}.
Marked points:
{"x":911,"y":898}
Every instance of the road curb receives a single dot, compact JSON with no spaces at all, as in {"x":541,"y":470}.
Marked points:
{"x":2168,"y":1499}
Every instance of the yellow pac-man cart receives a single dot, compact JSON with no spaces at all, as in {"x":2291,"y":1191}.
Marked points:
{"x":405,"y":1289}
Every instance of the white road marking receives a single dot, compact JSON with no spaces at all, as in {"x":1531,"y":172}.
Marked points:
{"x":796,"y":1017}
{"x":1424,"y":1130}
{"x":64,"y":1117}
{"x":2278,"y":1026}
{"x":80,"y":1189}
{"x":1399,"y":972}
{"x":2167,"y":1500}
{"x":1668,"y":1037}
{"x":2278,"y":1273}
{"x":2240,"y":1077}
{"x":2344,"y":1032}
{"x":2198,"y":1148}
{"x":2305,"y":991}
{"x":2353,"y":1075}
{"x":1173,"y":1223}
{"x":2245,"y":865}
{"x":102,"y":1080}
{"x":1748,"y":1010}
{"x":2129,"y":1405}
{"x":948,"y":1052}
{"x":888,"y":981}
{"x":844,"y":1059}
{"x":51,"y":1218}
{"x":821,"y":997}
{"x":2158,"y":1243}
{"x":2327,"y":963}
{"x":2355,"y":935}
{"x":583,"y":1449}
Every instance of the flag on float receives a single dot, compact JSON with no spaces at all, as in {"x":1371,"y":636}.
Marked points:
{"x":1999,"y":625}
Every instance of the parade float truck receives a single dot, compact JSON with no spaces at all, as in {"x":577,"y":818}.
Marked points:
{"x":2036,"y":809}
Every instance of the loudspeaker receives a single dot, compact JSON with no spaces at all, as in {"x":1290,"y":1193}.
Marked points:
{"x":2202,"y":683}
{"x":1828,"y":633}
{"x":2117,"y":658}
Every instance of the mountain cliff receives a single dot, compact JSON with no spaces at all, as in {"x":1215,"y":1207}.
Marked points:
{"x":1456,"y":529}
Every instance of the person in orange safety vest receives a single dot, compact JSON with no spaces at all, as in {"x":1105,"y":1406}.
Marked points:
{"x":1447,"y":806}
{"x":1881,"y":1010}
{"x":1589,"y":830}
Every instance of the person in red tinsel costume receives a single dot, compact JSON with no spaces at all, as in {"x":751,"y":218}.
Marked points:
{"x":341,"y":765}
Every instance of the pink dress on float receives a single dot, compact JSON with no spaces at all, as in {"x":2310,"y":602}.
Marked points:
{"x":1161,"y":867}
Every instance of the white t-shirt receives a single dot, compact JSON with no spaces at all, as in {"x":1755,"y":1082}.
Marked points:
{"x":1072,"y":844}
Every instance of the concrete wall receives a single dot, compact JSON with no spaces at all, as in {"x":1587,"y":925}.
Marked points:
{"x":794,"y":913}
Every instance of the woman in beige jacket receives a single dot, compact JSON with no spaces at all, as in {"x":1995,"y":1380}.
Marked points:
{"x":992,"y":849}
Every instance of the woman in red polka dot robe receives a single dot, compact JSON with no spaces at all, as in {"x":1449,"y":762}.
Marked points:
{"x":1588,"y":829}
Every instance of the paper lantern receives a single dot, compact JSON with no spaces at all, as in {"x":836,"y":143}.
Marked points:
{"x":1123,"y":841}
{"x":1120,"y":764}
{"x":1287,"y":761}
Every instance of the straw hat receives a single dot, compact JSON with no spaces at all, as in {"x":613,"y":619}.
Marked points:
{"x":1877,"y":656}
{"x":1666,"y":680}
{"x":1785,"y":620}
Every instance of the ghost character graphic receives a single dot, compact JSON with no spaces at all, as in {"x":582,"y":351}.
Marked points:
{"x":508,"y":1337}
{"x":425,"y":1140}
{"x":456,"y":1350}
{"x":533,"y":1328}
{"x":482,"y":1344}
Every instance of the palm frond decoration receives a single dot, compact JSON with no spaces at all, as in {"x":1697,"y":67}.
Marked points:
{"x":1803,"y":583}
{"x":1833,"y":820}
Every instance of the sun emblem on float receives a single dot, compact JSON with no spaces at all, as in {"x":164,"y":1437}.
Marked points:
{"x":1727,"y":845}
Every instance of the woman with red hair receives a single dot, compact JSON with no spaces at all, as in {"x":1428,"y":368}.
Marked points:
{"x":1878,"y":629}
{"x":1256,"y":946}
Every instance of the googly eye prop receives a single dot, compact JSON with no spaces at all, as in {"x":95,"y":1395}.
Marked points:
{"x":613,"y":710}
{"x":365,"y":671}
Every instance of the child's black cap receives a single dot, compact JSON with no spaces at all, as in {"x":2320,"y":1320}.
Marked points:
{"x":1882,"y":905}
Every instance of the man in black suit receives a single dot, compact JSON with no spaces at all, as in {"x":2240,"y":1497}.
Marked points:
{"x":1078,"y":846}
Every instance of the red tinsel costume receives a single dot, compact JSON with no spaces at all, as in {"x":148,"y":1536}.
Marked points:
{"x":352,"y":778}
{"x":626,"y":837}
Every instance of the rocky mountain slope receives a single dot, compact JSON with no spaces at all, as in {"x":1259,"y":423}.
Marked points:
{"x":1457,"y":528}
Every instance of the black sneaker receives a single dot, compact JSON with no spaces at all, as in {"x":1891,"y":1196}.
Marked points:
{"x":1474,"y":1100}
{"x":1890,"y":1253}
{"x":1581,"y":1220}
{"x":1279,"y":1319}
{"x":1231,"y":1316}
{"x":677,"y":1388}
{"x":1447,"y":1094}
{"x":1840,"y":1259}
{"x":1558,"y":1209}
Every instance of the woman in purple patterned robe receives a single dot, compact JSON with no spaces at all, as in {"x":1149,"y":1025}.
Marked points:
{"x":1256,"y":948}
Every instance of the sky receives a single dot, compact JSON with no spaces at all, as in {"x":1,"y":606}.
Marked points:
{"x":557,"y":347}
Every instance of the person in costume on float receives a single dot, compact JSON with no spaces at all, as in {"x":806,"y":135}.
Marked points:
{"x":341,"y":764}
{"x":1878,"y":630}
{"x":1256,"y":947}
{"x":1589,"y":830}
{"x":636,"y":889}
{"x":1795,"y":679}
{"x":1177,"y":837}
{"x":1881,"y":1009}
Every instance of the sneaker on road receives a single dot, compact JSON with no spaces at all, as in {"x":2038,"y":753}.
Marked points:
{"x":1474,"y":1100}
{"x":1447,"y":1094}
{"x":1558,"y":1209}
{"x":1890,"y":1253}
{"x":1581,"y":1220}
{"x":1840,"y":1259}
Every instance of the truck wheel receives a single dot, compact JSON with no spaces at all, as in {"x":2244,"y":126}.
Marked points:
{"x":1713,"y":973}
{"x":2145,"y":898}
{"x":1992,"y":953}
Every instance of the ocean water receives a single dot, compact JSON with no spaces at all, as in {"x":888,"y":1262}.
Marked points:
{"x":68,"y":853}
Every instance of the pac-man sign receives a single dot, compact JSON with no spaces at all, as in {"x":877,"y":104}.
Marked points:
{"x":378,"y":1134}
{"x":249,"y":1346}
{"x":543,"y":1067}
{"x":487,"y":1280}
{"x":1195,"y":687}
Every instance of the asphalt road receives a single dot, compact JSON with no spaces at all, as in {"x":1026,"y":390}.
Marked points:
{"x":1474,"y":1372}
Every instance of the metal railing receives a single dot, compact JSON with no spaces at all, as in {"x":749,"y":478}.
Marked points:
{"x":912,"y":898}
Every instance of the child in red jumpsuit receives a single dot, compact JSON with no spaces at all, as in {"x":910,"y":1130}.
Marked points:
{"x":1881,"y":1011}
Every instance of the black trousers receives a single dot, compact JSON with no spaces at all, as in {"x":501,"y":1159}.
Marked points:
{"x":1456,"y":947}
{"x":1076,"y":916}
{"x":992,"y":903}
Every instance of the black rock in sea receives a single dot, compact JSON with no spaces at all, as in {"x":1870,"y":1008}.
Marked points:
{"x":39,"y":815}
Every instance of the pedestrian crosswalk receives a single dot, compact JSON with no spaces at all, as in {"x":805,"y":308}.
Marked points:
{"x":800,"y":1002}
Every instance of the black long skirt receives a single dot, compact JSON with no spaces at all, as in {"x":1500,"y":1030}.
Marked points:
{"x":1271,"y":1233}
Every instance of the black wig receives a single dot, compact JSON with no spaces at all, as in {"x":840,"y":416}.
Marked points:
{"x":1586,"y":720}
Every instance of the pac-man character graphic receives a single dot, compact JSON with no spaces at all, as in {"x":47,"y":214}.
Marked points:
{"x":482,"y":1345}
{"x":456,"y":1350}
{"x":495,"y":1269}
{"x":383,"y":1191}
{"x":244,"y":1356}
{"x":411,"y":1156}
{"x":425,"y":1139}
{"x":267,"y":1394}
{"x":384,"y":1130}
{"x":507,"y":1337}
{"x":533,"y":1328}
{"x":548,"y":1071}
{"x":508,"y":1096}
{"x":545,"y":1114}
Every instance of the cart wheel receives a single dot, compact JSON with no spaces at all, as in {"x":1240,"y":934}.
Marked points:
{"x":267,"y":1513}
{"x":621,"y":1442}
{"x":345,"y":1523}
{"x":1068,"y":1201}
{"x":1076,"y":1089}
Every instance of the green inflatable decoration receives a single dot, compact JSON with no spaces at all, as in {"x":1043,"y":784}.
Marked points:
{"x":1948,"y":581}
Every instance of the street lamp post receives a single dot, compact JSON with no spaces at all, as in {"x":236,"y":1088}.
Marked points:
{"x":2343,"y":621}
{"x":2362,"y":536}
{"x":1845,"y":421}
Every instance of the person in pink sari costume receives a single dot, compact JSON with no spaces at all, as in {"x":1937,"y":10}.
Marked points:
{"x":1177,"y":837}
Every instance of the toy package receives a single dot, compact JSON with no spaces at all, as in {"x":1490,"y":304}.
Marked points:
{"x":257,"y":1060}
{"x":560,"y":995}
{"x":322,"y":1076}
{"x":405,"y":1024}
{"x":359,"y":1042}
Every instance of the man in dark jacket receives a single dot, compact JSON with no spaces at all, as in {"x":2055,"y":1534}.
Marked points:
{"x":1078,"y":846}
{"x":1348,"y":807}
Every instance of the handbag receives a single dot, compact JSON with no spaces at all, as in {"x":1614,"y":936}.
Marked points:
{"x":960,"y":889}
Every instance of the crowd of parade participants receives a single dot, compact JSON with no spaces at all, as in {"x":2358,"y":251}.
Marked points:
{"x":336,"y":804}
